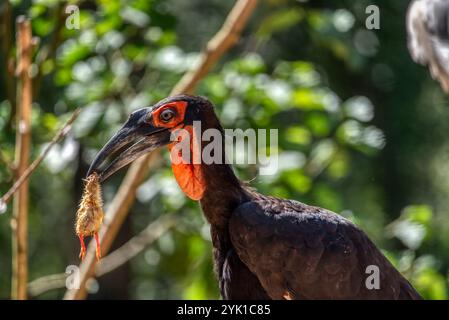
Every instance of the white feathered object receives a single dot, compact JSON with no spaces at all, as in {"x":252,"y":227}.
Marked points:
{"x":428,"y":37}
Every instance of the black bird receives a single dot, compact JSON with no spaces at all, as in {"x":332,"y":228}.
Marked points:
{"x":428,"y":37}
{"x":263,"y":247}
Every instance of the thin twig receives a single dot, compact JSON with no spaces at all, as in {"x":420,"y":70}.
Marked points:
{"x":46,"y":283}
{"x":123,"y":200}
{"x":19,"y":223}
{"x":135,"y":245}
{"x":112,"y":261}
{"x":25,"y":175}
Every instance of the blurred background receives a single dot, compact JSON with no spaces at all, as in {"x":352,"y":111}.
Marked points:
{"x":363,"y":131}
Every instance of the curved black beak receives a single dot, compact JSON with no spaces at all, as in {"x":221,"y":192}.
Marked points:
{"x":137,"y":136}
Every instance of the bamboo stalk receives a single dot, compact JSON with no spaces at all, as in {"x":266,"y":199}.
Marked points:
{"x":19,"y":222}
{"x":224,"y":39}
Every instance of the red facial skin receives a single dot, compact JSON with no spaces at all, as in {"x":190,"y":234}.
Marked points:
{"x":189,"y":176}
{"x":180,"y":111}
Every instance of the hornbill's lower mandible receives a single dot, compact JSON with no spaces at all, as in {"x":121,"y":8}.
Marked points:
{"x":428,"y":37}
{"x":264,"y":247}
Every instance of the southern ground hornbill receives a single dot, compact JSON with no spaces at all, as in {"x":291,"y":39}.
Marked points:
{"x":263,"y":247}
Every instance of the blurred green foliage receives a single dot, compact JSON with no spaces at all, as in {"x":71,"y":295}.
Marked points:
{"x":362,"y":130}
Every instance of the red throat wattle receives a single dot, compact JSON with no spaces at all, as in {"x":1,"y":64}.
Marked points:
{"x":188,"y":174}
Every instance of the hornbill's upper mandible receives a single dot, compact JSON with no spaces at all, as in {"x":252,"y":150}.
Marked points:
{"x":264,"y":247}
{"x":428,"y":37}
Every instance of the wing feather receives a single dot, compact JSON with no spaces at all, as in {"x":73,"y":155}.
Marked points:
{"x":303,"y":252}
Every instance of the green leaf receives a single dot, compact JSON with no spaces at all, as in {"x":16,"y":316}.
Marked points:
{"x":418,"y":213}
{"x":318,"y":123}
{"x":279,"y":21}
{"x":431,"y":284}
{"x":297,"y":180}
{"x":299,"y":135}
{"x":307,"y":99}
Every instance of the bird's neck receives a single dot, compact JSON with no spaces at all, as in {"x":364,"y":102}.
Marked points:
{"x":223,"y":193}
{"x":213,"y":184}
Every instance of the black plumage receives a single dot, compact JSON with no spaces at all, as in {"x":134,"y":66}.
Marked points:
{"x":271,"y":248}
{"x":274,"y":248}
{"x":263,"y":247}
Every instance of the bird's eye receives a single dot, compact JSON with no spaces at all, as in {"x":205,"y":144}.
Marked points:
{"x":167,"y":115}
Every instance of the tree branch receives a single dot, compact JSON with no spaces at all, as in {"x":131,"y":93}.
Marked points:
{"x":216,"y":47}
{"x":46,"y":283}
{"x":112,"y":261}
{"x":136,"y":245}
{"x":19,"y":223}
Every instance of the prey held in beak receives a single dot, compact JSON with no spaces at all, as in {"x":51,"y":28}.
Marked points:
{"x":137,"y":136}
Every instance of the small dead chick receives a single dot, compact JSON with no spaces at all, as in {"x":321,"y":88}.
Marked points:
{"x":90,"y":213}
